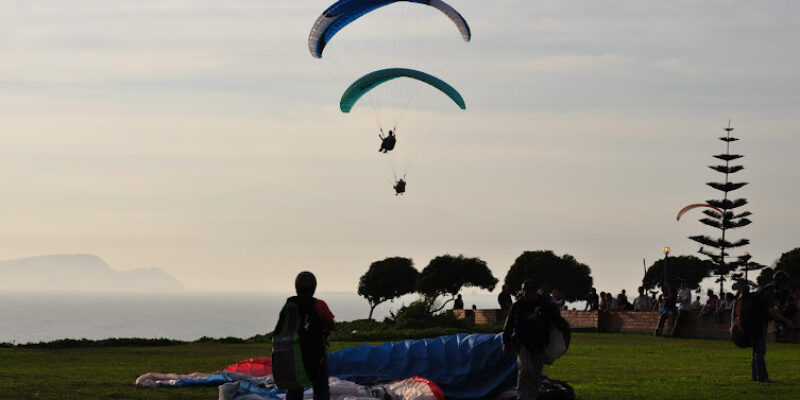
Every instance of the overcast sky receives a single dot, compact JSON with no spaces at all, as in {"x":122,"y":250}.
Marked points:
{"x":201,"y":137}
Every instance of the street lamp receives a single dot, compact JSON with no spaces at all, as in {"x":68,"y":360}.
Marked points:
{"x":666,"y":254}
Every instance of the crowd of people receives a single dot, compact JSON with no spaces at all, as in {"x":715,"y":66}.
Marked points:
{"x":674,"y":304}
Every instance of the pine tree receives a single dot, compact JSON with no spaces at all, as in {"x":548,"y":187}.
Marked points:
{"x":731,"y":220}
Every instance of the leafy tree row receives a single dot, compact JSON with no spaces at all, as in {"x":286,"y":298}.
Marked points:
{"x":789,"y":262}
{"x":447,"y":275}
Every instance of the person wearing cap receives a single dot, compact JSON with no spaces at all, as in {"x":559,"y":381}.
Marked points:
{"x":765,"y":310}
{"x":319,"y":321}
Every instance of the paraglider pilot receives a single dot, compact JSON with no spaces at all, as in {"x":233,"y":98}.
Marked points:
{"x":304,"y":324}
{"x":388,"y":141}
{"x":400,"y":187}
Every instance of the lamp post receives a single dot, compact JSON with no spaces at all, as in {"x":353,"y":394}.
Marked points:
{"x":666,"y":254}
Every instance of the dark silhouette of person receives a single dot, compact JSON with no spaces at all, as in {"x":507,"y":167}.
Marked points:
{"x":592,"y":301}
{"x":668,"y":308}
{"x":388,"y":141}
{"x":504,"y":299}
{"x":400,"y":187}
{"x":313,"y":335}
{"x":765,"y":309}
{"x":458,"y":304}
{"x":526,"y":333}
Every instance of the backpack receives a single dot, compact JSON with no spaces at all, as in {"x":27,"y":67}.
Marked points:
{"x":744,"y":320}
{"x":552,"y":389}
{"x":533,"y":328}
{"x":288,"y":364}
{"x":559,"y":338}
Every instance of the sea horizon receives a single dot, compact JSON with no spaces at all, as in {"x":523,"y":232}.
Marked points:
{"x":33,"y":316}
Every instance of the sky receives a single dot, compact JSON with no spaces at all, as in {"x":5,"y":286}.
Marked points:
{"x":202,"y":138}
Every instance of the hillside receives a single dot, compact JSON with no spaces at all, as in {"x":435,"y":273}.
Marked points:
{"x":80,"y":272}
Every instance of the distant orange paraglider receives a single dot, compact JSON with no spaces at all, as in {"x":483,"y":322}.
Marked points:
{"x":693,"y":206}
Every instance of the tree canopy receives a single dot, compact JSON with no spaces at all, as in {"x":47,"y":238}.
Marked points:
{"x":387,"y":279}
{"x":790,"y":262}
{"x":572,"y":278}
{"x":765,"y":276}
{"x":687,"y":268}
{"x":447,"y":275}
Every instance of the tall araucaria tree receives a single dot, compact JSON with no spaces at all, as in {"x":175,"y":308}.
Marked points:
{"x":732,"y":219}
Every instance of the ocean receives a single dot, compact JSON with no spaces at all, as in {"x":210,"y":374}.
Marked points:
{"x":30,"y":317}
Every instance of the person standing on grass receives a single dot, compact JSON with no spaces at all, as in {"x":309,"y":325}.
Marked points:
{"x":526,"y":332}
{"x":684,"y":306}
{"x":316,"y":323}
{"x":667,"y":308}
{"x":765,"y":309}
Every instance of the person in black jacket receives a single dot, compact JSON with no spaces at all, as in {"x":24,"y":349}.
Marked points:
{"x":316,"y":323}
{"x":526,"y":332}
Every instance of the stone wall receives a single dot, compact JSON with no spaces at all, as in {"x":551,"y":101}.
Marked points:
{"x":582,"y":320}
{"x":623,"y":321}
{"x":481,"y":317}
{"x":484,"y":317}
{"x":646,"y":322}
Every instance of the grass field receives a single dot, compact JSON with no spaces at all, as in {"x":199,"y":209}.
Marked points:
{"x":598,"y":366}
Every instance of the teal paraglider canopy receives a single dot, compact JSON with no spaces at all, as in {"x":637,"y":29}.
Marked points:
{"x":375,"y":78}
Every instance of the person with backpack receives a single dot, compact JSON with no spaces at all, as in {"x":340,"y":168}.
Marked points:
{"x":764,"y":310}
{"x":302,"y":330}
{"x":527,"y":332}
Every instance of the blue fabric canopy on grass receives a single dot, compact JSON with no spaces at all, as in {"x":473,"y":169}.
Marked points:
{"x":344,"y":12}
{"x":375,"y":78}
{"x":463,"y":365}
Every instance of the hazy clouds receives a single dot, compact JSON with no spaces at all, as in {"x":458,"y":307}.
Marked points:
{"x":200,"y":137}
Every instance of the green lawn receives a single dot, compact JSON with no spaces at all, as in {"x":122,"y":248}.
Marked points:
{"x":629,"y":366}
{"x":598,"y":366}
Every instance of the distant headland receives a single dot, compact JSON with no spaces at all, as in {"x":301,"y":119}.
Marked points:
{"x":80,"y":273}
